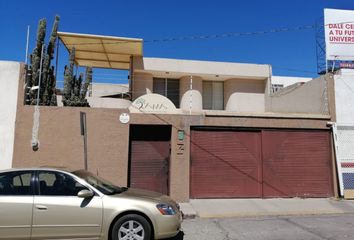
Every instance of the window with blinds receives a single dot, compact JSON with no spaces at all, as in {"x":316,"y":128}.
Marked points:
{"x":213,"y":95}
{"x":168,"y":88}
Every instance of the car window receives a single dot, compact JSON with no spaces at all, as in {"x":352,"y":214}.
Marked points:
{"x":22,"y":180}
{"x":58,"y":184}
{"x":101,"y":184}
{"x":16,"y":183}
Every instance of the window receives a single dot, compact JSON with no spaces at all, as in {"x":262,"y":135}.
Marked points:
{"x":58,"y":184}
{"x":213,"y":95}
{"x":16,"y":183}
{"x":101,"y":184}
{"x":168,"y":88}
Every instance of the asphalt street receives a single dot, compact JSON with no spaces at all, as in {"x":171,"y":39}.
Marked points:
{"x":312,"y":227}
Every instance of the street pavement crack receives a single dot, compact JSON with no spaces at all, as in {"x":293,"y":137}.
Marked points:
{"x":223,"y":230}
{"x":311,"y":231}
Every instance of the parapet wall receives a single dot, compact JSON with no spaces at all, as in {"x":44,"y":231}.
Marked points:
{"x":310,"y":97}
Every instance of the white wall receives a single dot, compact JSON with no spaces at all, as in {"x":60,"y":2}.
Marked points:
{"x":9,"y":80}
{"x":344,"y":96}
{"x":287,"y":81}
{"x":107,"y":89}
{"x":244,"y":95}
{"x":309,"y":97}
{"x":191,"y":99}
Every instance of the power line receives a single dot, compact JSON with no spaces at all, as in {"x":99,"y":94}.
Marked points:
{"x":228,"y":35}
{"x":218,"y":36}
{"x":225,"y":35}
{"x":203,"y":37}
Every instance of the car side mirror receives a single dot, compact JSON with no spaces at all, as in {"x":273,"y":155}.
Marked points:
{"x":85,"y":194}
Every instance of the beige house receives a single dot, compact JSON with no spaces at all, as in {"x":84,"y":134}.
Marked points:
{"x":194,"y":86}
{"x":192,"y":129}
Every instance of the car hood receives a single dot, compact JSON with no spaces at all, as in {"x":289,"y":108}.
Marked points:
{"x":140,"y":193}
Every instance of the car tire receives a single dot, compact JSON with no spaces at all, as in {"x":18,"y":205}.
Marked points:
{"x":131,"y":226}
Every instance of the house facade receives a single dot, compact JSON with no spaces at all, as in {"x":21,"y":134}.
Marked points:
{"x":194,"y":129}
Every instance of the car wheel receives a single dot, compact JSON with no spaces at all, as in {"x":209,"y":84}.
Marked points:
{"x":131,"y":227}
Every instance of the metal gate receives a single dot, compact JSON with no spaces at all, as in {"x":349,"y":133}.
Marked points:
{"x":296,"y":163}
{"x":230,"y":163}
{"x":225,"y":164}
{"x":150,"y":157}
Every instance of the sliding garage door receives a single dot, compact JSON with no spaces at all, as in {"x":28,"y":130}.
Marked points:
{"x":225,"y":164}
{"x":296,"y":164}
{"x":239,"y":164}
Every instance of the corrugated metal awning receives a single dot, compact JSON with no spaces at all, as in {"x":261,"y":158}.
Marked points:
{"x":102,"y":51}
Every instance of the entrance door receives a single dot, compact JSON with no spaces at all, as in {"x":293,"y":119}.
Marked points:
{"x":150,"y":157}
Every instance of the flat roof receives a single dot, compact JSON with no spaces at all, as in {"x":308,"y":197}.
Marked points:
{"x":102,"y":51}
{"x":211,"y":70}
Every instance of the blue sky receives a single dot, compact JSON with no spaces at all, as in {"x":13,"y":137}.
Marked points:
{"x":290,"y":53}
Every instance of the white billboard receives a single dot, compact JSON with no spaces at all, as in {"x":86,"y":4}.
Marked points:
{"x":339,"y":34}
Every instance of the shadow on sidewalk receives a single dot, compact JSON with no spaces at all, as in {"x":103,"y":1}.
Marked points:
{"x":179,"y":236}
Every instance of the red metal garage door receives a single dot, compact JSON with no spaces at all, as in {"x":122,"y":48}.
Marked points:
{"x":150,"y":157}
{"x":268,"y":163}
{"x":296,"y":164}
{"x":225,"y":164}
{"x":149,"y":165}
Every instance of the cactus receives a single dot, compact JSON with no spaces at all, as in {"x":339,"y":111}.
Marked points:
{"x":88,"y":80}
{"x":74,"y":93}
{"x":47,"y":91}
{"x":32,"y":77}
{"x":49,"y":80}
{"x":69,"y":76}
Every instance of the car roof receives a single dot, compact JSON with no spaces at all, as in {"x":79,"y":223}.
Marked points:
{"x":58,"y":169}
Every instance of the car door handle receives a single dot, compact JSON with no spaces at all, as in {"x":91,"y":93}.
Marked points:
{"x":41,"y":207}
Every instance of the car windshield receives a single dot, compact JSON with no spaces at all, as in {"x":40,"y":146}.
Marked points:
{"x":100,"y":184}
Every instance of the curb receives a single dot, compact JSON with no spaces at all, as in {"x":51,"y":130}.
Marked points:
{"x":269,"y":214}
{"x":188,"y":216}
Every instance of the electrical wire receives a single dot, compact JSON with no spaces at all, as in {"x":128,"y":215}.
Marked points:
{"x":213,"y":36}
{"x":217,"y":36}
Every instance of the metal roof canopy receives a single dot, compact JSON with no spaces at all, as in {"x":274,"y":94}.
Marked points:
{"x":102,"y":51}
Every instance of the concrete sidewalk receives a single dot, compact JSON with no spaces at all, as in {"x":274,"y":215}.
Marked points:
{"x":218,"y":208}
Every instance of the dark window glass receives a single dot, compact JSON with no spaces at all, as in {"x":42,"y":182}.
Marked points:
{"x":173,"y":91}
{"x":16,"y":183}
{"x":168,"y":88}
{"x":58,"y":184}
{"x":159,"y":86}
